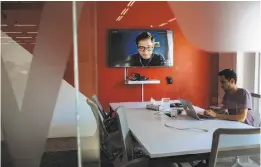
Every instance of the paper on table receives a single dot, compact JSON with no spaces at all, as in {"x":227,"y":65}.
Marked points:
{"x":165,"y":102}
{"x":153,"y":101}
{"x":178,"y":127}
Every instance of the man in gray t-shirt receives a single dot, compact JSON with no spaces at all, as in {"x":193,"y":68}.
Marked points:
{"x":236,"y":101}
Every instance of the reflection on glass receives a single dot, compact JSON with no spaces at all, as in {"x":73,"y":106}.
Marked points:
{"x":88,"y":141}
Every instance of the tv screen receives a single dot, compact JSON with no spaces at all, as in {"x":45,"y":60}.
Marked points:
{"x":140,"y":48}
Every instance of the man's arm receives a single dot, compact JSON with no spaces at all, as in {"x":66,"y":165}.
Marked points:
{"x":240,"y":116}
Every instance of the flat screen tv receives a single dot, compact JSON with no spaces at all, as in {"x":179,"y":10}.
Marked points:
{"x":140,"y":48}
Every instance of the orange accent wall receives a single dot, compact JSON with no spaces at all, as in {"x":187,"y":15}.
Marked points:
{"x":194,"y":72}
{"x":191,"y":71}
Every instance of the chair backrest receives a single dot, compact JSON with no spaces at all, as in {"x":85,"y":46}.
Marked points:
{"x":256,"y":109}
{"x":230,"y":143}
{"x":90,"y":145}
{"x":125,"y":133}
{"x":96,"y":100}
{"x":95,"y":110}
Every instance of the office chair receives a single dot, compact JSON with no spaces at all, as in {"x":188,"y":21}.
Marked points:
{"x":104,"y":114}
{"x":108,"y":120}
{"x":256,"y":107}
{"x":224,"y":157}
{"x":110,"y":144}
{"x":90,"y":145}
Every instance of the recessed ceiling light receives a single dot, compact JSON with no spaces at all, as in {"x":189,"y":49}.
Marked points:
{"x":24,"y":25}
{"x":125,"y":11}
{"x":24,"y":37}
{"x":172,"y":20}
{"x":162,"y":24}
{"x":132,"y":3}
{"x":120,"y":18}
{"x":6,"y":37}
{"x":13,"y":32}
{"x":4,"y":25}
{"x":32,"y":32}
{"x":151,"y":25}
{"x":129,"y":3}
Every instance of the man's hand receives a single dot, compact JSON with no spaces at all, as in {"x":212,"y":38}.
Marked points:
{"x":210,"y":113}
{"x":240,"y":116}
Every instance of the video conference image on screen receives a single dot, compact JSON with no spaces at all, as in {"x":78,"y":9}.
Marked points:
{"x":140,"y":48}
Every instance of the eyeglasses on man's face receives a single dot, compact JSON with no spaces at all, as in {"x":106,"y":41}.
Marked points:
{"x":142,"y":48}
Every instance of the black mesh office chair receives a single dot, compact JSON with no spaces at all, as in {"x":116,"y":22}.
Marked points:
{"x":109,"y":122}
{"x":103,"y":113}
{"x":110,"y":145}
{"x":237,"y":154}
{"x":256,"y":105}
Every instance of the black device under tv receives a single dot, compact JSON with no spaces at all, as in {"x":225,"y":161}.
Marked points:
{"x":122,"y":45}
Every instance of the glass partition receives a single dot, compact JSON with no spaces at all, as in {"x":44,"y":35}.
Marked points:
{"x":56,"y":55}
{"x":39,"y":121}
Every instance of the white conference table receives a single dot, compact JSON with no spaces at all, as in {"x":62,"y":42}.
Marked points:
{"x":161,"y":141}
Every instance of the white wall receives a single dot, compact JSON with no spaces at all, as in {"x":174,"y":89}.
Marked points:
{"x":246,"y":70}
{"x":249,"y":76}
{"x":227,"y":26}
{"x":64,"y":118}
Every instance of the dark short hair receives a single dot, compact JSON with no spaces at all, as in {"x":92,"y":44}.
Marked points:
{"x":228,"y":74}
{"x":144,"y":35}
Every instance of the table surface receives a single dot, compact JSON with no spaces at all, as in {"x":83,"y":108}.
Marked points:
{"x":161,"y":141}
{"x":114,"y":106}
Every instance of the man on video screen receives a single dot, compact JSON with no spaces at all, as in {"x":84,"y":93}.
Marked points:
{"x":145,"y":57}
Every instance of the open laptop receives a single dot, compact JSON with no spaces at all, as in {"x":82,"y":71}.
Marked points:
{"x":189,"y":109}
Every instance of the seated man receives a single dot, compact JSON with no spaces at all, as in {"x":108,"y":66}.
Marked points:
{"x":237,"y":101}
